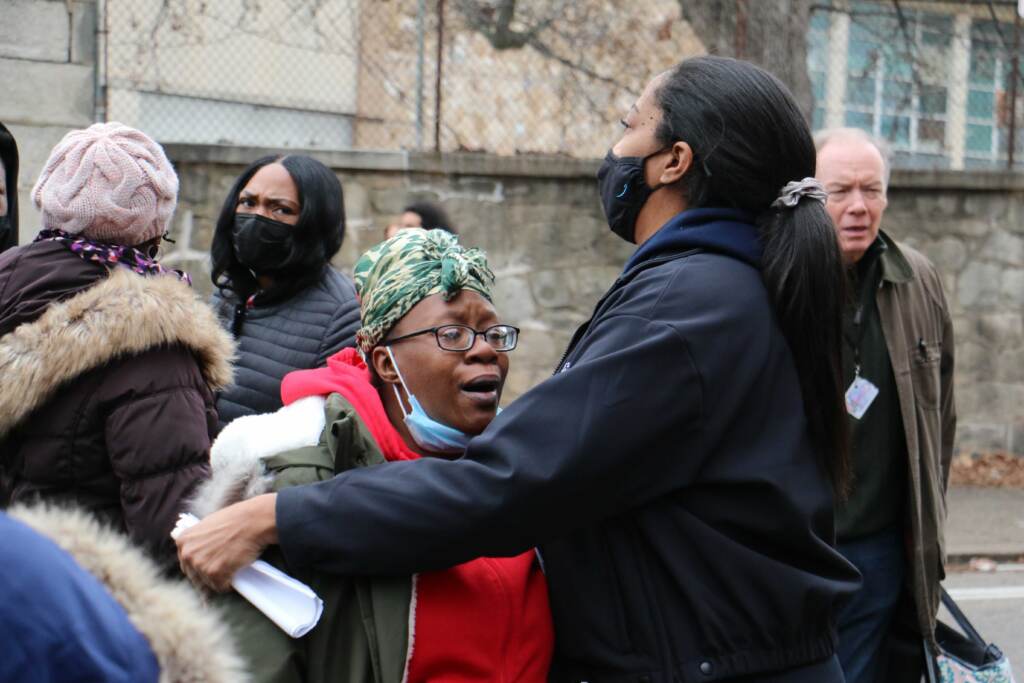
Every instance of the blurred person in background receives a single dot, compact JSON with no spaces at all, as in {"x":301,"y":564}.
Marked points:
{"x":422,"y":214}
{"x":59,"y":623}
{"x":8,"y":189}
{"x":108,"y":361}
{"x":79,"y":603}
{"x":281,"y":223}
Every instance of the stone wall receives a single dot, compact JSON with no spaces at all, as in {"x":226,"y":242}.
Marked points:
{"x":541,"y":224}
{"x":971,"y":225}
{"x":48,"y":79}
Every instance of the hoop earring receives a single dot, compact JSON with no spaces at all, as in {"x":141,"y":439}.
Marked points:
{"x":153,"y":251}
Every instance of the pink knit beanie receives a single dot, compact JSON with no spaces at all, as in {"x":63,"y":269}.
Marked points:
{"x":109,"y":182}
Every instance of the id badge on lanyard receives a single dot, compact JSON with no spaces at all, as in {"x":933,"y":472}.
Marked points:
{"x":862,"y":392}
{"x":860,"y":396}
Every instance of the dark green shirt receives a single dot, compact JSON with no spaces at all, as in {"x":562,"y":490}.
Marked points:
{"x":878,"y":450}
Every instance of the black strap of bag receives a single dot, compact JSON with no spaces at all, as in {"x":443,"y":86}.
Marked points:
{"x":961,"y":619}
{"x":969,"y":647}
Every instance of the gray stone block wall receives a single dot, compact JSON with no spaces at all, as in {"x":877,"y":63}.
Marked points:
{"x":970,"y":226}
{"x":541,"y":224}
{"x":48,"y":79}
{"x":33,"y":30}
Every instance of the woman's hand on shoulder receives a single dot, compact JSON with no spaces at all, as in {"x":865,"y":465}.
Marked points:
{"x":212,"y":551}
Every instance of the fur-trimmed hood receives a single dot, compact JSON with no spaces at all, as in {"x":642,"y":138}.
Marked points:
{"x":121,"y":315}
{"x":189,"y":640}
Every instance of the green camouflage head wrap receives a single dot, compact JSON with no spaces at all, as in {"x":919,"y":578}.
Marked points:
{"x":397,"y":274}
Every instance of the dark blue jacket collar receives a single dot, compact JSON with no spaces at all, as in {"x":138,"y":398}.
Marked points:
{"x":724,"y":231}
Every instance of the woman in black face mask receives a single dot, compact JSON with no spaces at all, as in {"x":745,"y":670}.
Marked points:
{"x":281,"y":223}
{"x":678,"y":472}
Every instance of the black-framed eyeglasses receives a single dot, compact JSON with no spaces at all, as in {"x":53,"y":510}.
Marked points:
{"x":463,"y":337}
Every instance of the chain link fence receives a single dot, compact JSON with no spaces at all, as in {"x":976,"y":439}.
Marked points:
{"x":937,"y":79}
{"x":231,"y":72}
{"x":384,"y":74}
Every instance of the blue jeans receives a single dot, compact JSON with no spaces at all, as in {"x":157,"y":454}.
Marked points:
{"x":864,"y":620}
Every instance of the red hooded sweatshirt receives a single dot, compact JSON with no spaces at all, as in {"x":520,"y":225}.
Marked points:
{"x":485,"y":620}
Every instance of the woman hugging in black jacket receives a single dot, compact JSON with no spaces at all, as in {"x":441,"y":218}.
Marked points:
{"x":678,"y":473}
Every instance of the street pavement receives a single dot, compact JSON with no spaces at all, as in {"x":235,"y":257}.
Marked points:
{"x":988,"y":523}
{"x":984,"y":522}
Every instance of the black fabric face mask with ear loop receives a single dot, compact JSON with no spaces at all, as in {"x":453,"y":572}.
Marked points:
{"x":261,"y":244}
{"x":624,"y":191}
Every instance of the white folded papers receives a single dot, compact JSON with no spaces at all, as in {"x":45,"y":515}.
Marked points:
{"x":289,"y":603}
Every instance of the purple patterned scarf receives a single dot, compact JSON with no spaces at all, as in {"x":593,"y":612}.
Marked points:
{"x":118,"y":254}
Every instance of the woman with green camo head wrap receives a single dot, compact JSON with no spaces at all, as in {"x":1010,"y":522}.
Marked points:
{"x":395,"y":275}
{"x":437,"y":359}
{"x":431,"y":332}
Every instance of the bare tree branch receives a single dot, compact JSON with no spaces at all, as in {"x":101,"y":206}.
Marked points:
{"x":577,"y":66}
{"x":497,"y":26}
{"x":772,"y":34}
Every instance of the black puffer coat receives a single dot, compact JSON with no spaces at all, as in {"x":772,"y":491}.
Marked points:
{"x":106,"y":389}
{"x":298,"y":334}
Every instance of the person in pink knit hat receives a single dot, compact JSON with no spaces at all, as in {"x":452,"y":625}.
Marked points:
{"x":109,"y":183}
{"x":108,"y":361}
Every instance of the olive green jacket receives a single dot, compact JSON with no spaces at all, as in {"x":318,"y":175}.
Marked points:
{"x":919,"y":336}
{"x":363,"y":634}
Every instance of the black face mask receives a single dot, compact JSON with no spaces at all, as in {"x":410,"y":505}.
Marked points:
{"x":624,"y":191}
{"x":261,"y":244}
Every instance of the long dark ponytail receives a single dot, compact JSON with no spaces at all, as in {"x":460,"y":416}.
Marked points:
{"x":749,"y":139}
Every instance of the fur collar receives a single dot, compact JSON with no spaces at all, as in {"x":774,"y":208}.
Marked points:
{"x":236,"y":457}
{"x":189,"y":640}
{"x":237,"y":471}
{"x":121,"y":315}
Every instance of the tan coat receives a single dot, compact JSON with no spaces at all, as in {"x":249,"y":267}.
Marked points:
{"x":919,"y":335}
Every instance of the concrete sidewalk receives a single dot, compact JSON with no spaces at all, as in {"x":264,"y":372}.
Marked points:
{"x":984,"y":522}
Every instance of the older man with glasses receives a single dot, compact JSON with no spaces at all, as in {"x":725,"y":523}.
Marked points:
{"x":898,"y":367}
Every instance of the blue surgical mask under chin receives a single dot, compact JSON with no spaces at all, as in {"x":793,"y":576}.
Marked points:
{"x":430,"y":434}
